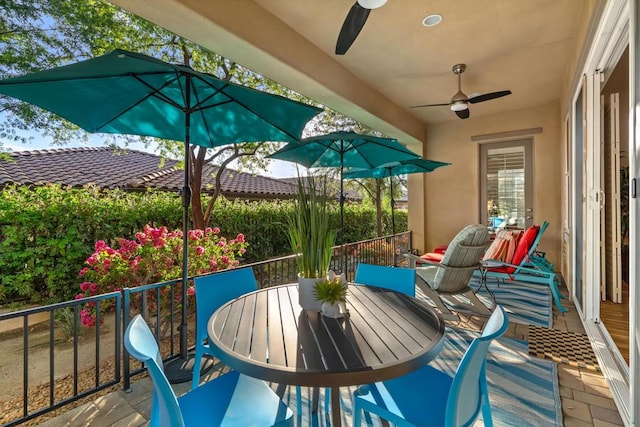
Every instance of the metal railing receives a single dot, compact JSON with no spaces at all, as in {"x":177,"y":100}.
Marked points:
{"x":160,"y":304}
{"x":62,"y":325}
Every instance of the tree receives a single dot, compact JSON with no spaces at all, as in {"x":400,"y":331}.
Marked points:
{"x":41,"y":34}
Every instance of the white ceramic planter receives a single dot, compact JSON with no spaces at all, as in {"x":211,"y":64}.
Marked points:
{"x":306,"y":296}
{"x":331,"y":310}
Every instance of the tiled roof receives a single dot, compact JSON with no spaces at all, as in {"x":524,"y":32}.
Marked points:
{"x":233,"y":183}
{"x":106,"y":167}
{"x":109,"y":167}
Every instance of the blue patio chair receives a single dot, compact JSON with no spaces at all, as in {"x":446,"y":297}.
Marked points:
{"x":393,"y":278}
{"x":213,"y":291}
{"x":232,"y":399}
{"x":429,"y":397}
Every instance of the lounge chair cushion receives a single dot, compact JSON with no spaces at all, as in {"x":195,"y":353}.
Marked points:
{"x":440,"y":249}
{"x":433,"y":256}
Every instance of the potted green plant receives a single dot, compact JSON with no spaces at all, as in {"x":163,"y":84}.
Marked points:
{"x":311,"y":237}
{"x":332,"y":291}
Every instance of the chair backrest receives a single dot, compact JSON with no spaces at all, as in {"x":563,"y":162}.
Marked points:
{"x":460,"y":260}
{"x":142,"y":345}
{"x":214,"y":290}
{"x":394,"y":278}
{"x":467,"y":246}
{"x":470,"y":382}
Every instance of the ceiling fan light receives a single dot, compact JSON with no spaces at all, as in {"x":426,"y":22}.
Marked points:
{"x":371,"y":4}
{"x":459,"y":106}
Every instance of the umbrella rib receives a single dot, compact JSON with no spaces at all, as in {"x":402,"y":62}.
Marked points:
{"x":66,"y":79}
{"x":156,"y":93}
{"x":275,"y":125}
{"x":198,"y":107}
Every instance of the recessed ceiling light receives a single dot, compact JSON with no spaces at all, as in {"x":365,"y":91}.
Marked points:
{"x":432,"y":20}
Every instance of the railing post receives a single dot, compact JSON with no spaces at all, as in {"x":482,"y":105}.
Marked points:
{"x":126,"y":362}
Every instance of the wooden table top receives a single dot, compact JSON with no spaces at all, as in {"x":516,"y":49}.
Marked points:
{"x":267,"y":335}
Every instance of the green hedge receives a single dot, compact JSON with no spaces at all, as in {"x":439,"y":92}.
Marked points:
{"x":46,"y":233}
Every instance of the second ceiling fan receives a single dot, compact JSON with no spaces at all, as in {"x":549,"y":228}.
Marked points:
{"x":459,"y":103}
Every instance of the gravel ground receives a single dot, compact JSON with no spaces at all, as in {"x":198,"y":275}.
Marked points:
{"x":11,"y":400}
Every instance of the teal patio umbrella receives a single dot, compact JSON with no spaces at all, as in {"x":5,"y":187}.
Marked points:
{"x":403,"y":167}
{"x":128,"y":93}
{"x":344,"y":150}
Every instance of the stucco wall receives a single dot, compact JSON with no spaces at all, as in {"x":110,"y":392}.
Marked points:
{"x":451,"y":196}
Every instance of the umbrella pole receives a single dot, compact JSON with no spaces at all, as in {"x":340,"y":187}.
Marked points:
{"x":393,"y":220}
{"x":342,"y":252}
{"x":180,"y":370}
{"x":186,"y":201}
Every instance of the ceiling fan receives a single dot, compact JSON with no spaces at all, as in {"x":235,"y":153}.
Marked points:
{"x":459,"y":103}
{"x":354,"y":22}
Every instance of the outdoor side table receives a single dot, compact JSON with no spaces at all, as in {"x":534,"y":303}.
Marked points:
{"x":267,"y":335}
{"x":485,"y":266}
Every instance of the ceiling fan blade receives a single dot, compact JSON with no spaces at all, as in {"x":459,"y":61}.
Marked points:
{"x":430,"y":105}
{"x":463,"y":114}
{"x":488,"y":96}
{"x":351,"y":27}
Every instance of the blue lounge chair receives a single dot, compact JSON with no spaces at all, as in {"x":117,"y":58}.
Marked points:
{"x":429,"y":397}
{"x":522,"y":269}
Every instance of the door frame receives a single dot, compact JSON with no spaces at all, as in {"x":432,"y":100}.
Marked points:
{"x":614,"y":27}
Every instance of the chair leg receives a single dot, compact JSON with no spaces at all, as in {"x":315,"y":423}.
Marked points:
{"x":195,"y":378}
{"x":433,"y":296}
{"x":556,"y":295}
{"x":486,"y":411}
{"x":477,"y":305}
{"x":299,"y":401}
{"x":327,"y":399}
{"x":357,"y":414}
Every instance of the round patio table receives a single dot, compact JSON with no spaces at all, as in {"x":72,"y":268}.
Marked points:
{"x":267,"y":335}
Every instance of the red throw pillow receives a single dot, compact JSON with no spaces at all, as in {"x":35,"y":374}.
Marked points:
{"x":524,"y":244}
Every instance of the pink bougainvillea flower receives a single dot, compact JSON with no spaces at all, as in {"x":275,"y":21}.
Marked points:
{"x":154,"y":256}
{"x":191,"y":291}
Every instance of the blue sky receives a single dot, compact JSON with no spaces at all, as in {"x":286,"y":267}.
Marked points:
{"x":277,"y":168}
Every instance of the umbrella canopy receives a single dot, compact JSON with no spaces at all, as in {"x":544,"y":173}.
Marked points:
{"x":128,"y":93}
{"x":403,"y":167}
{"x":344,"y":149}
